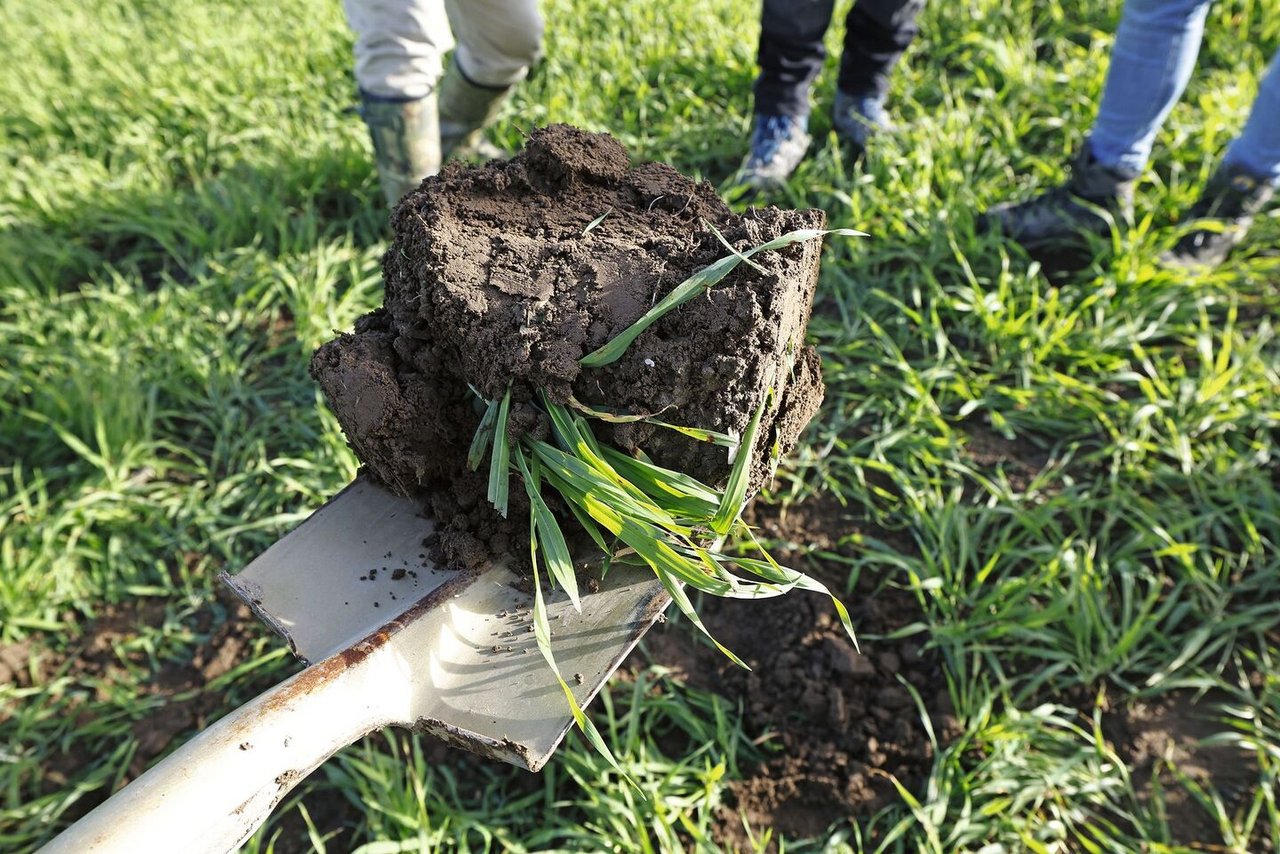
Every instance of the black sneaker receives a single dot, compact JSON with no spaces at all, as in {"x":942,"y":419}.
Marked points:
{"x":1223,"y":214}
{"x":1062,"y":214}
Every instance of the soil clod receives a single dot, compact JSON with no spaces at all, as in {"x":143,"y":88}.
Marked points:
{"x":493,"y":281}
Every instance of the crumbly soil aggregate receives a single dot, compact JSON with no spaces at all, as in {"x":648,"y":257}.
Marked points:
{"x":836,"y":725}
{"x":494,"y":279}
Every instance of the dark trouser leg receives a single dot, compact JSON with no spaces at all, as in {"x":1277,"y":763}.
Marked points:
{"x":876,"y":34}
{"x":791,"y":54}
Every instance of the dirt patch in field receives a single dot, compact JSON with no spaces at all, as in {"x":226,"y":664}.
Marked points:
{"x":1161,"y":739}
{"x":100,"y":659}
{"x":504,"y":276}
{"x":841,"y":724}
{"x":1018,"y":459}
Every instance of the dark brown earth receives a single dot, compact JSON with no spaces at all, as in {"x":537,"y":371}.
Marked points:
{"x":838,"y":724}
{"x":494,"y":279}
{"x":1163,"y":738}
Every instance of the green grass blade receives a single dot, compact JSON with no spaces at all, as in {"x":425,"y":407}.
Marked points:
{"x":665,"y":562}
{"x":804,"y":582}
{"x":555,"y":552}
{"x":709,"y":436}
{"x":542,"y":639}
{"x":735,"y":492}
{"x":665,"y":484}
{"x":589,"y":525}
{"x":696,"y":284}
{"x":591,"y":226}
{"x":581,"y":477}
{"x":500,"y":462}
{"x":484,"y":435}
{"x":686,"y":607}
{"x":727,"y":245}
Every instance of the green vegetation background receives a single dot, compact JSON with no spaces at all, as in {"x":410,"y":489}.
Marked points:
{"x":187,"y":208}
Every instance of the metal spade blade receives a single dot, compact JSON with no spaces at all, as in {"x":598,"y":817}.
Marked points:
{"x":392,"y":640}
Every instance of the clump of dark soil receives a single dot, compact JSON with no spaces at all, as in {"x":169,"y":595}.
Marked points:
{"x":495,"y":279}
{"x":1156,"y":736}
{"x":838,"y":724}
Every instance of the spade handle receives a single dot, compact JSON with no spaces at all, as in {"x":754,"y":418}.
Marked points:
{"x":212,"y":793}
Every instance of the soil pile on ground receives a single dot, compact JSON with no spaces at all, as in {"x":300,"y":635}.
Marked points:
{"x":505,"y":276}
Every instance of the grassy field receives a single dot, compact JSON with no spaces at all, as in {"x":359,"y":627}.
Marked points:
{"x":187,"y":209}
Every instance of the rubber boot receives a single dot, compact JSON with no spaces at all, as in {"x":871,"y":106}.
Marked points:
{"x":466,"y":108}
{"x":406,"y":142}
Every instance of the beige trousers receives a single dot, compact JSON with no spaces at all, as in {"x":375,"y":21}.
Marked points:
{"x":400,"y":43}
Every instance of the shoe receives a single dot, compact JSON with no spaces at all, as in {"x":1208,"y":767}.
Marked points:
{"x":1062,"y":214}
{"x":1226,"y":208}
{"x":406,"y":142}
{"x":466,"y":109}
{"x":778,"y":144}
{"x":857,"y":118}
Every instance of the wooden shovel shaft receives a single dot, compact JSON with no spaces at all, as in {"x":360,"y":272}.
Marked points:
{"x":212,"y":794}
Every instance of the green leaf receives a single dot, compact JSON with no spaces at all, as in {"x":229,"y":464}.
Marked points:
{"x":691,"y":287}
{"x":484,"y":435}
{"x":677,"y":492}
{"x":555,"y":551}
{"x":542,"y":639}
{"x":735,"y":492}
{"x":500,"y":462}
{"x":664,"y":561}
{"x":804,"y":582}
{"x":727,"y":245}
{"x":571,"y":476}
{"x":591,"y":226}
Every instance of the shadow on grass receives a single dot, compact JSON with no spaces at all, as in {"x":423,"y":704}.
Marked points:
{"x":297,"y":202}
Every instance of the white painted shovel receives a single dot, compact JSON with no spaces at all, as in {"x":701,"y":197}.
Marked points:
{"x":394,"y":641}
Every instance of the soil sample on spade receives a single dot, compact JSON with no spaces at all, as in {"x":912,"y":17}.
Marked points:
{"x":506,"y":275}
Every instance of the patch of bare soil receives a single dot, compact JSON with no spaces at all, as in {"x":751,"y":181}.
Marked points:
{"x":840,"y":724}
{"x":1019,"y":459}
{"x":1161,"y":739}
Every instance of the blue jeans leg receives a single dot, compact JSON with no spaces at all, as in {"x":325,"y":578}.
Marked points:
{"x":1257,"y":148}
{"x":1151,"y":62}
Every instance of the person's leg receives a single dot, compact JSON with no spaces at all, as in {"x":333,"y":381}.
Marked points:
{"x":398,"y":46}
{"x":398,"y":49}
{"x":1257,"y":148}
{"x":1241,"y":186}
{"x":877,"y":32}
{"x":791,"y":54}
{"x":1152,"y":60}
{"x":498,"y":41}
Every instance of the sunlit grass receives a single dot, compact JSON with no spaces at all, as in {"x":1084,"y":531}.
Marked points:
{"x":186,"y":210}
